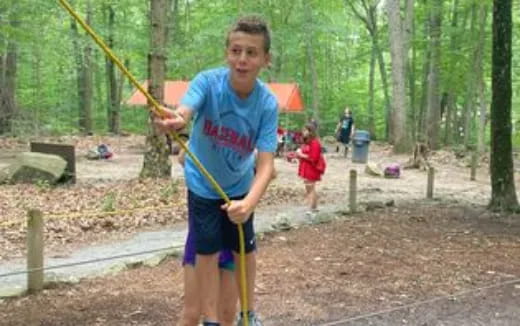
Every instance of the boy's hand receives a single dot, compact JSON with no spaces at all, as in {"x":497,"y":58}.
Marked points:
{"x":169,"y":121}
{"x":238,"y":211}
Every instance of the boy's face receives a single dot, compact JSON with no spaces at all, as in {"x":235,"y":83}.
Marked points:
{"x":245,"y":56}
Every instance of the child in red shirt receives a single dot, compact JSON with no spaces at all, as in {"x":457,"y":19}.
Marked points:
{"x":309,"y":155}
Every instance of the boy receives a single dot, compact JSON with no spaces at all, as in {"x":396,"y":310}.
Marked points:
{"x":233,"y":114}
{"x":228,"y":290}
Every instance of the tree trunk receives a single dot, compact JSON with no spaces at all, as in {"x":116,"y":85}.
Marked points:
{"x":369,"y":18}
{"x":78,"y":58}
{"x":113,"y":98}
{"x":384,"y":82}
{"x":173,"y":25}
{"x":37,"y":95}
{"x":421,"y":121}
{"x":87,"y":79}
{"x":156,"y":159}
{"x":2,"y":54}
{"x":471,"y":79}
{"x":8,"y":108}
{"x":503,"y":193}
{"x":371,"y":117}
{"x":434,"y":109}
{"x":309,"y":46}
{"x":449,"y":124}
{"x":408,"y":24}
{"x":411,"y":84}
{"x":409,"y":32}
{"x":483,"y":14}
{"x":401,"y":137}
{"x":82,"y":55}
{"x":451,"y":97}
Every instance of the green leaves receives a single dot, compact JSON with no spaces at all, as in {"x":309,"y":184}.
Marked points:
{"x":46,"y":86}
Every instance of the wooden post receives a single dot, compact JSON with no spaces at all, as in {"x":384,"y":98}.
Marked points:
{"x":429,"y":189}
{"x":353,"y":191}
{"x":474,"y":163}
{"x":34,"y":250}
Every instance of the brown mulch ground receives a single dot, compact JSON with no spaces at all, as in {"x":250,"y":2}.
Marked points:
{"x":356,"y":264}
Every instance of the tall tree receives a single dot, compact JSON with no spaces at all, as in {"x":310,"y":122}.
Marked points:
{"x":157,"y":159}
{"x":422,"y":115}
{"x":451,"y":96}
{"x":86,"y":112}
{"x":412,"y":73}
{"x":399,"y":53}
{"x":434,"y":99}
{"x":503,"y":193}
{"x":479,"y":56}
{"x":113,"y":88}
{"x":309,"y":47}
{"x":83,"y":60}
{"x":8,"y":71}
{"x":369,"y":19}
{"x":471,"y":82}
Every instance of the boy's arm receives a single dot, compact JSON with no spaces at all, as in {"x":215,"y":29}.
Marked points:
{"x":173,"y":120}
{"x":191,"y":102}
{"x":240,"y":210}
{"x":264,"y":173}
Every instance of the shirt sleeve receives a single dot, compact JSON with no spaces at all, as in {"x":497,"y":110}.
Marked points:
{"x":267,"y":136}
{"x":196,"y":94}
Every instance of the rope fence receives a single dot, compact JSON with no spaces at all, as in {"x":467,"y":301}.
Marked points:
{"x":35,"y":244}
{"x":420,"y":303}
{"x":90,"y":261}
{"x":35,"y":228}
{"x":85,"y":214}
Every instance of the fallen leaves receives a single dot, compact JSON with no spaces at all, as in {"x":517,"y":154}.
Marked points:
{"x":88,"y":212}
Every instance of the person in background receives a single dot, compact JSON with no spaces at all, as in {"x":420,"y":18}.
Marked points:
{"x":345,"y":130}
{"x":309,"y":155}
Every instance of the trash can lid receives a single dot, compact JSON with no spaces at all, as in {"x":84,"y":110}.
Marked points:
{"x":362,"y":135}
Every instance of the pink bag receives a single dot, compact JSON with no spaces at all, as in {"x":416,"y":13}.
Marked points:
{"x":392,"y":171}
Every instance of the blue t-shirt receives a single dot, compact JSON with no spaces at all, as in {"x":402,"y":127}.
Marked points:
{"x":226,"y":130}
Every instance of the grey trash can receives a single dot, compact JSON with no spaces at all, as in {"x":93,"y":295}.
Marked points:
{"x":360,"y":145}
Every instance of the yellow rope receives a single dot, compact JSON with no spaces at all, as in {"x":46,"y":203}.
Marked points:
{"x":91,"y":213}
{"x":8,"y":224}
{"x":156,"y":109}
{"x":71,"y":215}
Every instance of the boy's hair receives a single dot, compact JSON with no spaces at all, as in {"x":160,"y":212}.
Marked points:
{"x":252,"y":25}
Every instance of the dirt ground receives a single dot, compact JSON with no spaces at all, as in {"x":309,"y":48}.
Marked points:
{"x":377,"y":260}
{"x":355,"y":265}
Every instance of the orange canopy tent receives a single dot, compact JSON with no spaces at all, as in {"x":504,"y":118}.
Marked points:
{"x":288,"y":95}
